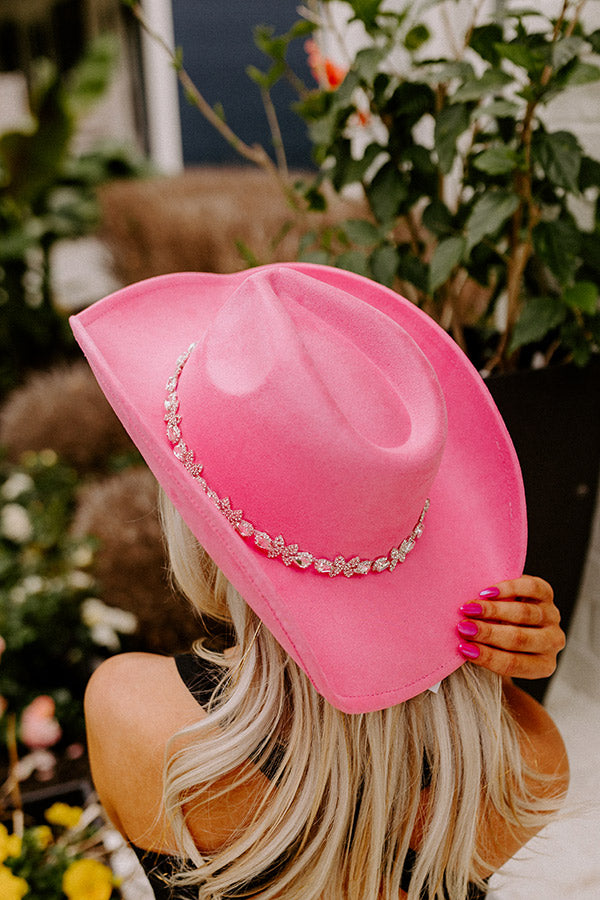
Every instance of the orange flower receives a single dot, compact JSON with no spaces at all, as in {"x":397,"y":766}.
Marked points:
{"x":327,"y":73}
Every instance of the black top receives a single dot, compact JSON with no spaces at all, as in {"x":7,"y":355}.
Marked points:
{"x":201,"y":678}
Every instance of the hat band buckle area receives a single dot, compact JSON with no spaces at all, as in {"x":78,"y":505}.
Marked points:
{"x":275,"y":548}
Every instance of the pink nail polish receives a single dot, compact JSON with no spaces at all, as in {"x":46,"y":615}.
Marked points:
{"x":468,"y":629}
{"x":469,"y":650}
{"x":489,"y":593}
{"x":471,"y":609}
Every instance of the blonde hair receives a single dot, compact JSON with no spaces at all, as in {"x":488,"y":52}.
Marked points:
{"x":337,"y":816}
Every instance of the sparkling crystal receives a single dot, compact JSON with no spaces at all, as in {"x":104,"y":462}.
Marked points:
{"x":419,"y":530}
{"x":172,"y":403}
{"x":323,"y":565}
{"x":172,"y":384}
{"x":350,"y":567}
{"x":303,"y":559}
{"x":202,"y":483}
{"x":181,"y":450}
{"x":212,"y":496}
{"x":262,"y":540}
{"x":338,"y":566}
{"x":196,"y":470}
{"x":363,"y":567}
{"x":277,"y":547}
{"x":381,"y":564}
{"x":246,"y":529}
{"x":408,"y":544}
{"x":173,"y":433}
{"x":289,"y":553}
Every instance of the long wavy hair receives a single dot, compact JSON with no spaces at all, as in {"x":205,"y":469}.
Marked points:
{"x":339,"y":809}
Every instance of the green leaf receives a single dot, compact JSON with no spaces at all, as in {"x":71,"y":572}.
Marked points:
{"x":488,"y":215}
{"x":450,"y":123}
{"x":582,"y":295}
{"x":90,"y":78}
{"x":594,"y":40}
{"x":564,"y":50}
{"x":367,"y":62}
{"x":386,"y":193}
{"x":446,"y":256}
{"x":315,"y":199}
{"x":492,"y":81}
{"x":497,"y":109}
{"x":360,"y":231}
{"x":437,"y":218}
{"x":416,"y":36}
{"x":582,"y":73}
{"x":384,"y":263}
{"x":558,"y":245}
{"x":366,"y":11}
{"x":353,"y":261}
{"x":483,"y":41}
{"x":528,"y":58}
{"x":315,"y":256}
{"x":499,"y":160}
{"x":559,"y":155}
{"x":539,"y":316}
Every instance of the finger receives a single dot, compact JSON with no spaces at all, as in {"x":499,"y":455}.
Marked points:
{"x":527,"y":587}
{"x":507,"y":664}
{"x":514,"y":638}
{"x":533,"y":614}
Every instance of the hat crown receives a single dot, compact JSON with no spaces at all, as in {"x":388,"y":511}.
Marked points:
{"x":315,"y":413}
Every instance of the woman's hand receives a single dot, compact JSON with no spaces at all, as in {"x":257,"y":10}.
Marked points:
{"x":513,"y":629}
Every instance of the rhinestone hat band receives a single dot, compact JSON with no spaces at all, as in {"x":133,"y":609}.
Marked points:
{"x":275,"y":548}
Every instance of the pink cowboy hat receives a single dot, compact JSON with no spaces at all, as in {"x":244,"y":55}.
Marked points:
{"x":332,"y":449}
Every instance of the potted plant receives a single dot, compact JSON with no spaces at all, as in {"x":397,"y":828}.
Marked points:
{"x":478,"y":211}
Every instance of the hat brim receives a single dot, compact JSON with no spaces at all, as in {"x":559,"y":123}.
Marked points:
{"x":367,"y":642}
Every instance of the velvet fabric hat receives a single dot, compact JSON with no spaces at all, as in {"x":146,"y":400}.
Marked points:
{"x":334,"y":452}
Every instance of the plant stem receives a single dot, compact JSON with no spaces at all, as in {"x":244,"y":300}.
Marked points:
{"x":13,"y":761}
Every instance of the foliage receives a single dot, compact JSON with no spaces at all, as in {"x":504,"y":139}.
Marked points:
{"x":469,"y":191}
{"x":48,"y":193}
{"x":50,"y":618}
{"x":61,"y":859}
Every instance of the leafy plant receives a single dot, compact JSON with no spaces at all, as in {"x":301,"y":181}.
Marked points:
{"x":64,"y":857}
{"x":48,"y":193}
{"x":470,"y":192}
{"x":48,"y":617}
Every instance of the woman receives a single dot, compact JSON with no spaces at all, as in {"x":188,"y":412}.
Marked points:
{"x":332,"y":742}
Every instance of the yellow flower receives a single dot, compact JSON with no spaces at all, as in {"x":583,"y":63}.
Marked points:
{"x":11,"y":886}
{"x":10,"y":845}
{"x":63,"y":814}
{"x":43,"y":836}
{"x":87,"y":879}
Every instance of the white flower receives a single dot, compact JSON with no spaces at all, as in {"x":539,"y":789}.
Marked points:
{"x":18,"y":483}
{"x":79,"y":580}
{"x":82,"y":556}
{"x":105,"y":622}
{"x":15,"y":523}
{"x":33,"y":584}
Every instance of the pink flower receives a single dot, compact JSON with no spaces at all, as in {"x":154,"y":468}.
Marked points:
{"x":327,"y":73}
{"x":39,"y":728}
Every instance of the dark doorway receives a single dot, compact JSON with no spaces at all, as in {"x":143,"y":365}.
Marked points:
{"x":216,"y":37}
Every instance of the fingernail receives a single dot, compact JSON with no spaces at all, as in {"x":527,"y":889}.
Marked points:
{"x":471,"y":609}
{"x":489,"y":593}
{"x":469,"y":650}
{"x":469,"y":629}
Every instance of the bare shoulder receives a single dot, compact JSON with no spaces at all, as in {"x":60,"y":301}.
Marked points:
{"x":542,"y":745}
{"x":134,"y":704}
